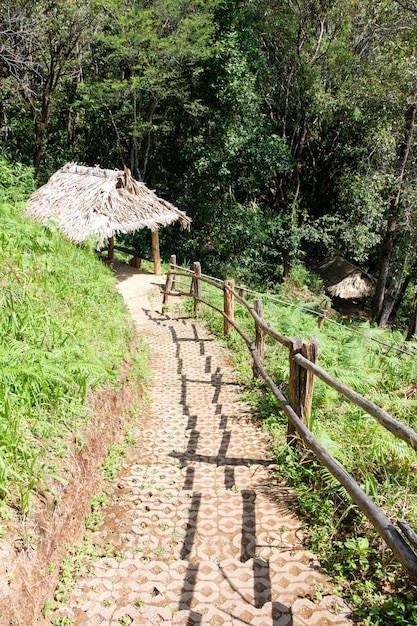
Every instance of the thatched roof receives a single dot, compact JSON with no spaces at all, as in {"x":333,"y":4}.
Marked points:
{"x":344,"y":280}
{"x":92,"y":202}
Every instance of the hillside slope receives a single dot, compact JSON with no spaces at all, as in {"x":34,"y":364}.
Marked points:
{"x":66,"y":380}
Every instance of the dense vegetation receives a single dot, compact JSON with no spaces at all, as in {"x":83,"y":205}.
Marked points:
{"x":64,"y":331}
{"x":371,"y":361}
{"x":285,"y":128}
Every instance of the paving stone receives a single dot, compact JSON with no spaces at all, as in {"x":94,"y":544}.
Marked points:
{"x":198,"y":520}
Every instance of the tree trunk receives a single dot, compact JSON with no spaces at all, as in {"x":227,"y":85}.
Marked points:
{"x":391,"y":295}
{"x":401,"y":294}
{"x":40,"y":133}
{"x":385,"y":258}
{"x":286,"y":263}
{"x":412,"y":327}
{"x":392,"y":223}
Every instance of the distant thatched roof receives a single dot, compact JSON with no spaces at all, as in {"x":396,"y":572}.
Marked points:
{"x":92,"y":202}
{"x":344,"y":280}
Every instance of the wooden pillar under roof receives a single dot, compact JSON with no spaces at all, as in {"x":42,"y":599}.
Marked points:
{"x":110,"y":249}
{"x":155,"y":253}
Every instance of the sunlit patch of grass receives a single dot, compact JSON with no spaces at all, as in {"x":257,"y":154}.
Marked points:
{"x":383,"y":465}
{"x":64,"y":331}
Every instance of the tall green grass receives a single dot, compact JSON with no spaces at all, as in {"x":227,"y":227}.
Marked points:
{"x":383,"y":465}
{"x":64,"y":331}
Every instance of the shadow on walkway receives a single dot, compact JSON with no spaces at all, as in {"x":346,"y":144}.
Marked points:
{"x":190,"y":459}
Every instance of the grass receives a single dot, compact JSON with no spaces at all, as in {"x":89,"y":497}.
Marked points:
{"x":384,"y":466}
{"x":64,"y":331}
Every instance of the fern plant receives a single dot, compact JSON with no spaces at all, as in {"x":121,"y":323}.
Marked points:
{"x":63,"y":331}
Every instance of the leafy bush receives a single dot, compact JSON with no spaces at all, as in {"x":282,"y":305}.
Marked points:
{"x":63,"y":331}
{"x":384,"y":466}
{"x":16,"y":181}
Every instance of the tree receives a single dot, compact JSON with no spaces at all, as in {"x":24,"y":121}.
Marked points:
{"x":308,"y":92}
{"x":229,"y":153}
{"x":384,"y":299}
{"x":341,"y":78}
{"x":392,"y":59}
{"x":137,"y":88}
{"x":283,"y":127}
{"x":42,"y":45}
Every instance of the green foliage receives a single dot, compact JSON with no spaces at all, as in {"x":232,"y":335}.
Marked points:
{"x":63,"y":332}
{"x":400,"y":609}
{"x":383,"y":465}
{"x":358,"y":203}
{"x":144,"y":57}
{"x":16,"y":181}
{"x":277,"y":127}
{"x":95,"y":517}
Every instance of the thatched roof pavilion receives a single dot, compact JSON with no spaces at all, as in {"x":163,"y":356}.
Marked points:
{"x":90,"y":202}
{"x":345,"y":280}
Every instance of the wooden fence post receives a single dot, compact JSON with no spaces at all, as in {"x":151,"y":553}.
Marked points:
{"x":229,"y":300}
{"x":301,"y":383}
{"x":320,"y":319}
{"x":242,"y":290}
{"x":310,"y":351}
{"x":170,"y":281}
{"x":259,"y":337}
{"x":196,"y":288}
{"x":294,"y":386}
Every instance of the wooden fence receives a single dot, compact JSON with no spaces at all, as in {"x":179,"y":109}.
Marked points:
{"x":303,"y":369}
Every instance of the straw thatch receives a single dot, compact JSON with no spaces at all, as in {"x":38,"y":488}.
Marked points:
{"x":344,"y":280}
{"x":89,"y":202}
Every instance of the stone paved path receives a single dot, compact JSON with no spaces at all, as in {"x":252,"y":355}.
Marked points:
{"x":198,"y":531}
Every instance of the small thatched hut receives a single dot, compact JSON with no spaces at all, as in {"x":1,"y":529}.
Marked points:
{"x":344,"y":280}
{"x":93,"y":203}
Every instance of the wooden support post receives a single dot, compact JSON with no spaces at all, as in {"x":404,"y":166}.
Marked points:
{"x":310,"y":351}
{"x":170,"y":281}
{"x":320,"y":319}
{"x":294,"y":384}
{"x":136,"y":262}
{"x":259,"y":337}
{"x":241,"y":290}
{"x":301,"y":383}
{"x":172,"y":267}
{"x":155,"y":253}
{"x":229,"y":305}
{"x":110,"y":249}
{"x":196,"y":288}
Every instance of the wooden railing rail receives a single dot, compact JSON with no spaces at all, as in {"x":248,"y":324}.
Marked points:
{"x":398,"y":429}
{"x":385,"y":528}
{"x":395,"y":427}
{"x":303,"y":368}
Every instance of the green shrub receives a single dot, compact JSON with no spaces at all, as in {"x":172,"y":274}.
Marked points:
{"x":64,"y":331}
{"x":384,"y":466}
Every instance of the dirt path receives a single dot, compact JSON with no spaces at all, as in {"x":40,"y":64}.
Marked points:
{"x":198,"y":531}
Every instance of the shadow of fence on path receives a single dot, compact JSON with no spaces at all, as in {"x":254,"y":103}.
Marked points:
{"x":190,"y":458}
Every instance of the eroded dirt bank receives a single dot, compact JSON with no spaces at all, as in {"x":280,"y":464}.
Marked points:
{"x":32,"y":550}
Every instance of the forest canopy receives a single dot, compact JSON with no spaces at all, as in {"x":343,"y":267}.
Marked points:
{"x":284,"y":128}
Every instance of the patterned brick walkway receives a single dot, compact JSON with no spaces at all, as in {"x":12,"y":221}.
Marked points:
{"x":198,"y":530}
